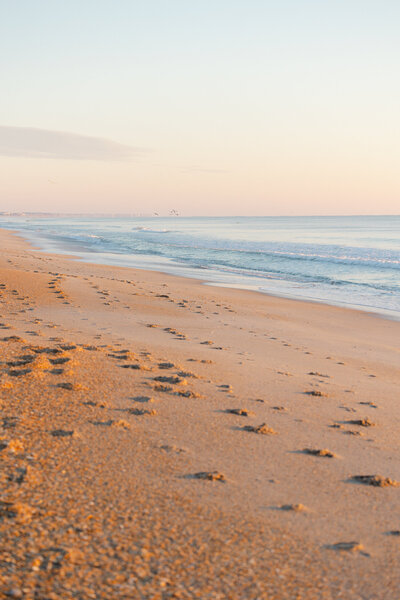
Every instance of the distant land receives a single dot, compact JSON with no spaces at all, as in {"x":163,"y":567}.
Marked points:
{"x":60,"y":214}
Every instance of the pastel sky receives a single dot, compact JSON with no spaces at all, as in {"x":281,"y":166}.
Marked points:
{"x":215,"y":107}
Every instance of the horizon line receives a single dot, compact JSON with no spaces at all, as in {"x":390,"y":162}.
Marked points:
{"x":43,"y":213}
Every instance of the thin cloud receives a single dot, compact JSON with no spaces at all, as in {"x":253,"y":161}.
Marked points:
{"x":197,"y":169}
{"x":29,"y":142}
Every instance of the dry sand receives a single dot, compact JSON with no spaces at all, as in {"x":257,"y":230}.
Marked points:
{"x":161,"y":438}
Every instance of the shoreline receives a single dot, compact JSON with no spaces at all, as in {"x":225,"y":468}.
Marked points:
{"x":131,"y":402}
{"x":78,"y":255}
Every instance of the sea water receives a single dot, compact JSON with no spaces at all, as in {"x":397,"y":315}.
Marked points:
{"x":353,"y":261}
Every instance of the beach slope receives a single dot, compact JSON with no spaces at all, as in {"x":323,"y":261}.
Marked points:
{"x":161,"y":438}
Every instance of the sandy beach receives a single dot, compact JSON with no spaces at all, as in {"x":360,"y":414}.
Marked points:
{"x":162,"y":438}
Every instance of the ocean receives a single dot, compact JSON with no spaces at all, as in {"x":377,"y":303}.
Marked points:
{"x":348,"y":261}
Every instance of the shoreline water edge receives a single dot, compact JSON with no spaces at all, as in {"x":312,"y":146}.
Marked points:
{"x":341,"y":261}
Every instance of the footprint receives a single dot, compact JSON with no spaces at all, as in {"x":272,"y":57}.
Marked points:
{"x":66,"y":385}
{"x":111,"y":423}
{"x":204,"y":361}
{"x":316,"y":374}
{"x":317,"y":452}
{"x":375,"y":480}
{"x":361,"y":422}
{"x":225,"y":387}
{"x":209,"y":476}
{"x":93,"y":403}
{"x":188,"y":394}
{"x":316,"y":393}
{"x":262,"y":429}
{"x":22,"y":513}
{"x":354,"y":547}
{"x":59,"y":361}
{"x":369,"y":404}
{"x":141,"y":412}
{"x":292,"y":507}
{"x":19,"y":373}
{"x":242,"y":412}
{"x":45,"y":350}
{"x":143,"y":399}
{"x":187,"y":374}
{"x":18,"y":476}
{"x":10,"y":422}
{"x":172,"y":449}
{"x":136,"y":367}
{"x":174,"y":379}
{"x":62,"y":433}
{"x":23,"y":360}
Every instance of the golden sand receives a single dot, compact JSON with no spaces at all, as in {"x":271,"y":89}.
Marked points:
{"x":127,"y":466}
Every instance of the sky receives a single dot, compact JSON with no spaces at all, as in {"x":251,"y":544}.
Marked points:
{"x":218,"y":107}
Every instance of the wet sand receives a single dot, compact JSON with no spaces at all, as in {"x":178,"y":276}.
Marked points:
{"x":161,"y":438}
